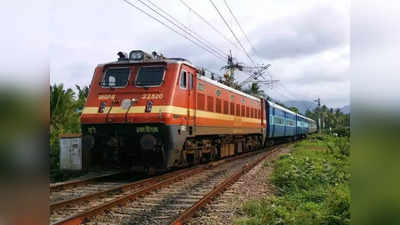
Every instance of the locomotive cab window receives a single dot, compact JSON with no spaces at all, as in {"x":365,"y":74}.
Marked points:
{"x":116,"y":77}
{"x":183,"y":80}
{"x":150,"y":76}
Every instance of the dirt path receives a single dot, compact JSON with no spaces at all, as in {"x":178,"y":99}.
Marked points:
{"x":253,"y":185}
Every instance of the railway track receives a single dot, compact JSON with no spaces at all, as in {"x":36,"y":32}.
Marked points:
{"x":157,"y":200}
{"x":78,"y":182}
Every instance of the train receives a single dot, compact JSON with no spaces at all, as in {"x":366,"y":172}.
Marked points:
{"x":147,"y":112}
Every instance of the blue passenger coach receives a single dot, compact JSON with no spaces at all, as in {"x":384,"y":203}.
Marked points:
{"x":283,"y":123}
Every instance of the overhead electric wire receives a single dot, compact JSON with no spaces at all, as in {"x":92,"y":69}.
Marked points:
{"x":184,"y":26}
{"x":288,"y":93}
{"x":237,"y":22}
{"x":182,"y":29}
{"x":209,"y":24}
{"x":174,"y":30}
{"x":233,"y":33}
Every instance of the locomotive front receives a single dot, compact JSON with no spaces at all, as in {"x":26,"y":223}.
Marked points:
{"x":124,"y":119}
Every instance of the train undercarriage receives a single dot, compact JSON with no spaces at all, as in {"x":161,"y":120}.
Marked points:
{"x":153,"y":148}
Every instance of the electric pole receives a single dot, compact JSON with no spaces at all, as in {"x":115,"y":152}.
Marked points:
{"x":320,"y":113}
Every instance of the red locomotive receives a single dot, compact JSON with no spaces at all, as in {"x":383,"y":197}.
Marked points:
{"x":149,"y":112}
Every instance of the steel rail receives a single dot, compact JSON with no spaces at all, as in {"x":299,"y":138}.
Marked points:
{"x":187,"y":214}
{"x":81,"y":217}
{"x":67,"y":184}
{"x":121,"y":188}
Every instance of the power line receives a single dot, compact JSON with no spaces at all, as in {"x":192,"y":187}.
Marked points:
{"x":209,"y":24}
{"x":292,"y":96}
{"x":184,"y":26}
{"x":174,"y":30}
{"x":233,"y":33}
{"x":302,"y":95}
{"x":237,"y":22}
{"x":182,"y":29}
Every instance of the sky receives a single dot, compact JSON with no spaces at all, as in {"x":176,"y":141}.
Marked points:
{"x":306,"y":42}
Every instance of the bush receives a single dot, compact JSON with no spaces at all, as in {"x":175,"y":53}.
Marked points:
{"x":313,"y":188}
{"x":342,"y":131}
{"x":340,"y":146}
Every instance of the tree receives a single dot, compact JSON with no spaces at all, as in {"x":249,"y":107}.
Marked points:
{"x":62,"y":108}
{"x":255,"y":90}
{"x":82,"y":96}
{"x":294,"y":109}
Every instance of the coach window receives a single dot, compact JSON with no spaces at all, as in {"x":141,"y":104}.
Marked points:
{"x":183,"y":81}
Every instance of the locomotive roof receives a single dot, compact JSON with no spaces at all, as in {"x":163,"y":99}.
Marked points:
{"x":218,"y":84}
{"x":165,"y":60}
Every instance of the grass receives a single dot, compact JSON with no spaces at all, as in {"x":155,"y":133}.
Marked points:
{"x":313,"y":186}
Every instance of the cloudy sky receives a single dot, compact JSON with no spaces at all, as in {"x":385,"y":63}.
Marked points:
{"x":306,"y":42}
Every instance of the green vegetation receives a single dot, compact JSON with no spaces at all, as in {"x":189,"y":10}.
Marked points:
{"x":334,"y":119}
{"x":65,"y":110}
{"x":312,"y":184}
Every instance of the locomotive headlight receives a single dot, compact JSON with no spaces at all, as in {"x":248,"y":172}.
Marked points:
{"x":136,"y":55}
{"x":149,"y":106}
{"x":126,"y":103}
{"x":102,"y":107}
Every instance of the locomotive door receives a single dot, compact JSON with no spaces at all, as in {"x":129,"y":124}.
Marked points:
{"x":191,"y":99}
{"x":192,"y":102}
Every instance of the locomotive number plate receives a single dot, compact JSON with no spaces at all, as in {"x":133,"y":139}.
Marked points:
{"x":152,"y":96}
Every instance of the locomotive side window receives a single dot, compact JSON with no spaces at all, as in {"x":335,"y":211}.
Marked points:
{"x":232,"y":108}
{"x":150,"y":76}
{"x":237,"y":110}
{"x":116,"y":77}
{"x":183,"y":80}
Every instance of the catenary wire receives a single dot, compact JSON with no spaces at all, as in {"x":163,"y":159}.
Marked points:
{"x":233,"y":33}
{"x":174,"y":30}
{"x":240,"y":27}
{"x":209,"y":24}
{"x":182,"y":29}
{"x":185,"y":27}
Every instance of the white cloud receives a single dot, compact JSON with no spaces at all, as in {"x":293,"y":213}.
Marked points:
{"x":305,"y":41}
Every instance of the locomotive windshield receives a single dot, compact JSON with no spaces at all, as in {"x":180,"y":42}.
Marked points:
{"x":150,"y":76}
{"x":116,"y":77}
